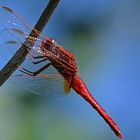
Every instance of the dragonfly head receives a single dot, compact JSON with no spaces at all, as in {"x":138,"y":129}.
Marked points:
{"x":48,"y":43}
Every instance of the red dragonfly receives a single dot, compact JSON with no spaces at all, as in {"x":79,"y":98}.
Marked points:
{"x":47,"y":49}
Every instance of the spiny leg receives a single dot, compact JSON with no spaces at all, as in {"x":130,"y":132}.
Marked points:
{"x":14,"y":42}
{"x":36,"y":57}
{"x":40,"y":61}
{"x":30,"y":73}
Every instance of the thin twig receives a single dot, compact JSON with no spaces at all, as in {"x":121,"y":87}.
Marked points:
{"x":22,"y":52}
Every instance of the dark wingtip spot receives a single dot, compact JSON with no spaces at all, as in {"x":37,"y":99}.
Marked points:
{"x":18,"y":31}
{"x":8,"y":9}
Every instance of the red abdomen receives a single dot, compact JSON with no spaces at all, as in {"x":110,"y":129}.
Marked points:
{"x":79,"y":86}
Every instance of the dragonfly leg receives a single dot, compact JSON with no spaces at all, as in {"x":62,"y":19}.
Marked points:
{"x":37,"y":62}
{"x":30,"y":73}
{"x":36,"y":57}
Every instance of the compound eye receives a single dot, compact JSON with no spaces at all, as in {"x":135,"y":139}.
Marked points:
{"x":48,"y":46}
{"x":49,"y":42}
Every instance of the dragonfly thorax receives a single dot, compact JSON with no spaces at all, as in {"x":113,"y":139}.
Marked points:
{"x":59,"y":56}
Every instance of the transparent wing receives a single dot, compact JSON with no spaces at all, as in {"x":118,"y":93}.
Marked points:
{"x":13,"y":31}
{"x":42,"y":84}
{"x":48,"y":82}
{"x":17,"y":28}
{"x":11,"y":20}
{"x":46,"y":85}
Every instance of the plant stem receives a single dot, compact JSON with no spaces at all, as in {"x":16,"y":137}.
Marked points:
{"x":22,"y":52}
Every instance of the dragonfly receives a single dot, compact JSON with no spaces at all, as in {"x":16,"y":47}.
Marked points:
{"x":49,"y":53}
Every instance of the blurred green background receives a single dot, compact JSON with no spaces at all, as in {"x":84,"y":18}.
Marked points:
{"x":105,"y":37}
